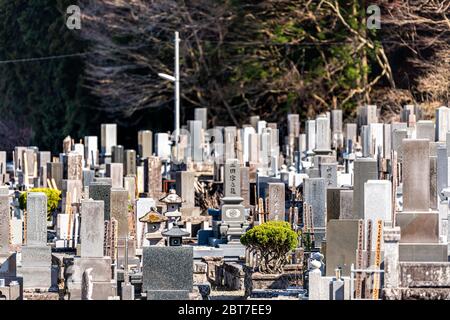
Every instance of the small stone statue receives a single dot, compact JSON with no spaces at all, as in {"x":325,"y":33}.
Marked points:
{"x":316,"y":260}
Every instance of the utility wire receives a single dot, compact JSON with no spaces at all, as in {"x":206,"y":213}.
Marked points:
{"x":240,"y":43}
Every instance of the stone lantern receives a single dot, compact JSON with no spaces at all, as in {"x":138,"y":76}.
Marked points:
{"x":175,"y":236}
{"x":155,"y":223}
{"x":173,"y":202}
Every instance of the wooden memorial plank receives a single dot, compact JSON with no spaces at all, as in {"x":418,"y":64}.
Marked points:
{"x":359,"y":260}
{"x":376,"y":278}
{"x":368,"y":258}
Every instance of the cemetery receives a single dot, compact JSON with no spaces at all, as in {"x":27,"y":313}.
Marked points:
{"x":325,"y":210}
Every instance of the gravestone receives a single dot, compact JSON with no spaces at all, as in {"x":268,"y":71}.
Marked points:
{"x":293,"y":125}
{"x":433,"y":183}
{"x":145,"y":143}
{"x":102,"y":191}
{"x":339,"y":203}
{"x":115,"y":172}
{"x":230,"y":134}
{"x":398,"y":136}
{"x":43,"y":158}
{"x":36,"y":255}
{"x":162,"y":141}
{"x":108,"y":138}
{"x":129,"y":184}
{"x":416,"y":175}
{"x":351,"y":131}
{"x":4,"y":225}
{"x":253,"y":148}
{"x":377,"y":202}
{"x":167,"y":272}
{"x":88,"y":177}
{"x":323,"y":135}
{"x":442,"y":123}
{"x":153,"y":177}
{"x":336,"y":128}
{"x":328,"y":171}
{"x":376,"y":134}
{"x":311,"y":135}
{"x":130,"y":162}
{"x":91,"y":150}
{"x":117,"y":154}
{"x":55,"y":171}
{"x":387,"y":140}
{"x":233,"y":222}
{"x":364,"y":169}
{"x":333,"y":203}
{"x":73,"y":166}
{"x":196,"y":141}
{"x":92,"y":232}
{"x":425,"y":130}
{"x":201,"y":114}
{"x":245,"y":185}
{"x":346,"y":205}
{"x":119,"y":210}
{"x":315,"y":195}
{"x":75,"y":188}
{"x":442,"y":170}
{"x":276,"y":195}
{"x":92,"y":228}
{"x":185,"y":181}
{"x":342,"y":243}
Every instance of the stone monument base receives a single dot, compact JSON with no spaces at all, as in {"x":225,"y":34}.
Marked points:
{"x":423,"y":252}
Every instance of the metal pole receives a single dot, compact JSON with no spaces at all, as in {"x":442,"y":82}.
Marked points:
{"x":177,"y":91}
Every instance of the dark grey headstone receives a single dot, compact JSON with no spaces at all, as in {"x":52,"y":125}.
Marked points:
{"x":167,"y":268}
{"x":364,"y":169}
{"x":101,"y":191}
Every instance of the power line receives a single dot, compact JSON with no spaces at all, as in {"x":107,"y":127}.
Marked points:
{"x":240,"y":43}
{"x":46,"y":58}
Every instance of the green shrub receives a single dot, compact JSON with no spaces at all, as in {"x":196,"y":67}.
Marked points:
{"x":53,"y":198}
{"x":273,"y":241}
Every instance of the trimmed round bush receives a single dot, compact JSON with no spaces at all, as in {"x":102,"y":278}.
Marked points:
{"x":273,"y":241}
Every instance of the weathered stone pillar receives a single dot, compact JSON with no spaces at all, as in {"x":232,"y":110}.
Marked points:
{"x":315,"y":281}
{"x":391,"y":257}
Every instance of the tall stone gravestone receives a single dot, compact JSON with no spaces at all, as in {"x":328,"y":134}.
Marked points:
{"x":130,"y":162}
{"x":102,"y":191}
{"x":201,"y":114}
{"x":377,"y":203}
{"x":55,"y":172}
{"x":118,"y":154}
{"x":442,"y":123}
{"x":364,"y":169}
{"x":7,"y":258}
{"x":416,"y":175}
{"x":315,"y":196}
{"x":185,"y":181}
{"x":276,"y":195}
{"x":91,"y":254}
{"x":233,"y":216}
{"x":323,"y":135}
{"x":108,"y":138}
{"x":91,"y":151}
{"x":153,"y":177}
{"x":145,"y":143}
{"x":115,"y":172}
{"x":36,"y":255}
{"x":419,"y":226}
